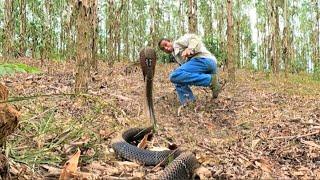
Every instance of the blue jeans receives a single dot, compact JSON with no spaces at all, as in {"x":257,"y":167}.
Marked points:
{"x":197,"y":72}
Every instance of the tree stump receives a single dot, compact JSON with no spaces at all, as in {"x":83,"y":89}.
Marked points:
{"x":8,"y":123}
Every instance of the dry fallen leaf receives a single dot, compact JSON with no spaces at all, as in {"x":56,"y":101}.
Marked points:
{"x":144,"y":142}
{"x":70,"y":167}
{"x":264,"y":166}
{"x":254,"y":143}
{"x":52,"y":171}
{"x":203,"y":173}
{"x":311,"y":143}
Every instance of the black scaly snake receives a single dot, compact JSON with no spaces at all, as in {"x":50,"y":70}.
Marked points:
{"x":183,"y":162}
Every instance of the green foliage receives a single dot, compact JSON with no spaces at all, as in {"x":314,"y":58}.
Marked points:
{"x":298,"y":66}
{"x":212,"y":44}
{"x":7,"y":68}
{"x":316,"y":74}
{"x":164,"y":58}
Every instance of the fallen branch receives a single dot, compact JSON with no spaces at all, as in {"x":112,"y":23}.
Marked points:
{"x":22,"y":98}
{"x":206,"y":147}
{"x":295,"y":137}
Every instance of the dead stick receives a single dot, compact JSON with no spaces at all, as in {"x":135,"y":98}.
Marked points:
{"x":22,"y":98}
{"x":297,"y":136}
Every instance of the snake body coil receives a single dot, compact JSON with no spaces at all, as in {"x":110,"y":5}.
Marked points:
{"x":184,"y":162}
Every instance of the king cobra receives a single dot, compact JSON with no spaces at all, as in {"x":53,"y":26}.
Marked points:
{"x":178,"y":164}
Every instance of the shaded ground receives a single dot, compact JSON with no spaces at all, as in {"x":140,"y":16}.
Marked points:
{"x":259,"y":127}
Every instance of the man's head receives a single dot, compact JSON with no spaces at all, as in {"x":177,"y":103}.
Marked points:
{"x":166,"y":45}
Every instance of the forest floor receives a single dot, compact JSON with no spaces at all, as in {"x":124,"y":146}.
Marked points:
{"x":259,"y":127}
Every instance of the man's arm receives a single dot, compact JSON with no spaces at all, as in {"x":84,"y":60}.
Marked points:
{"x":189,"y":45}
{"x":194,"y":42}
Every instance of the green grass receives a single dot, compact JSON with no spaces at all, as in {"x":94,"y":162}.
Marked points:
{"x":46,"y":138}
{"x":12,"y":68}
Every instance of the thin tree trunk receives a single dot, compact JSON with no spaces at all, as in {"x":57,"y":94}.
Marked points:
{"x":275,"y":38}
{"x":8,"y":47}
{"x":110,"y":32}
{"x":22,"y":48}
{"x":230,"y":41}
{"x":316,"y":31}
{"x":47,"y":31}
{"x":285,"y":38}
{"x":126,"y":34}
{"x":238,"y":22}
{"x":94,"y":25}
{"x":192,"y":16}
{"x":84,"y":50}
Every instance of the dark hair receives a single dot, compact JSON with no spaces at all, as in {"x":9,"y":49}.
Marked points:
{"x":162,"y":39}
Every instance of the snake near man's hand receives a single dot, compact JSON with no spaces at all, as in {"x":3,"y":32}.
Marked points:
{"x":178,"y":164}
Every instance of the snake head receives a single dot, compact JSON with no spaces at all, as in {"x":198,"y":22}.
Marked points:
{"x":148,"y":59}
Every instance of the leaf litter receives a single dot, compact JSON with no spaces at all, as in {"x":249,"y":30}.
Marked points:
{"x":258,"y":127}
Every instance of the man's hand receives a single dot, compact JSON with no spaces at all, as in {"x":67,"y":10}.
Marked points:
{"x":187,"y":53}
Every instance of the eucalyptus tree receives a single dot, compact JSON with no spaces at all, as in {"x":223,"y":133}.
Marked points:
{"x":243,"y":47}
{"x":8,"y":41}
{"x":138,"y":33}
{"x":285,"y":37}
{"x":126,"y":29}
{"x":154,"y":26}
{"x":275,"y":36}
{"x":94,"y":32}
{"x":303,"y":38}
{"x":113,"y":25}
{"x":220,"y":17}
{"x":35,"y":28}
{"x":84,"y":44}
{"x":230,"y":43}
{"x":181,"y":17}
{"x":192,"y":16}
{"x":315,"y":36}
{"x":47,"y":29}
{"x":23,"y":30}
{"x":262,"y":27}
{"x":205,"y":9}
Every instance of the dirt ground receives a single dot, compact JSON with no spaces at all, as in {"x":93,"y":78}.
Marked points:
{"x":260,"y":127}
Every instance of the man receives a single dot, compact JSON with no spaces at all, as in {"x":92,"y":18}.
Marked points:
{"x":198,"y":66}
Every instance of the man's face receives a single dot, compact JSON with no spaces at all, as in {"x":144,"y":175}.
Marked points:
{"x":166,"y":46}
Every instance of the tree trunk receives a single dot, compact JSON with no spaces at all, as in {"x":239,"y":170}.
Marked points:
{"x":117,"y":26}
{"x":192,"y":16}
{"x":275,"y":38}
{"x":47,"y":33}
{"x":153,"y":24}
{"x":230,"y":41}
{"x":285,"y":38}
{"x":315,"y":38}
{"x":126,"y":34}
{"x":22,"y":48}
{"x":238,"y":48}
{"x":94,"y":25}
{"x":8,"y":46}
{"x":206,"y":13}
{"x":84,"y":40}
{"x":110,"y":32}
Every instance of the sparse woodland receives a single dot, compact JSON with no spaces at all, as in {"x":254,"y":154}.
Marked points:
{"x":70,"y":82}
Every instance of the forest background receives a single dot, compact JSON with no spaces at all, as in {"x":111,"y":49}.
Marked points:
{"x":71,"y":69}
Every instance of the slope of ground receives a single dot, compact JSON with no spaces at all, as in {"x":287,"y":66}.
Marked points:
{"x":259,"y":127}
